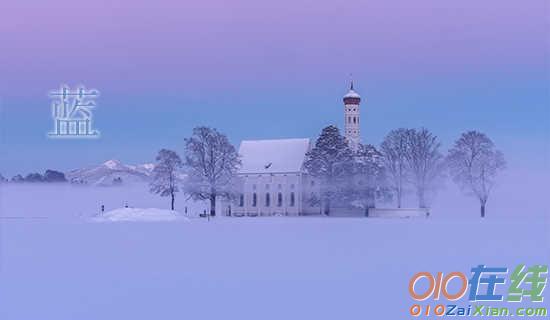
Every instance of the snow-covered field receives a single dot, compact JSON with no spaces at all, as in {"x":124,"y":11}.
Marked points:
{"x":139,"y":215}
{"x":56,"y":264}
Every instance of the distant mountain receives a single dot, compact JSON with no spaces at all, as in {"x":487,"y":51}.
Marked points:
{"x":111,"y":172}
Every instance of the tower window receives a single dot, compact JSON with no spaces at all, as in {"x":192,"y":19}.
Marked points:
{"x":292,"y":199}
{"x":354,"y":120}
{"x":279,"y":199}
{"x":241,"y":200}
{"x":267,"y":200}
{"x":254,"y":199}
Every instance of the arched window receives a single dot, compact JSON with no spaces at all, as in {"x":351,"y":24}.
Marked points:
{"x":292,"y":199}
{"x":241,"y":200}
{"x":267,"y":200}
{"x":354,"y":120}
{"x":279,"y":199}
{"x":349,"y":119}
{"x":254,"y":199}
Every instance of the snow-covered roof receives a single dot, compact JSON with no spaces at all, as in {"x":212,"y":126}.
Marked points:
{"x":352,"y":94}
{"x":273,"y":156}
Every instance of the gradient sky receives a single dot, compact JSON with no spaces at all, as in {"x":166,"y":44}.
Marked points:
{"x":258,"y":69}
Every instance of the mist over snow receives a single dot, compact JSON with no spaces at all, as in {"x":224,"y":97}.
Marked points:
{"x":518,"y":195}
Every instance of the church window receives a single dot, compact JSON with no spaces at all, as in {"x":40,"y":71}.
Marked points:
{"x":354,"y":120}
{"x":241,"y":200}
{"x":292,"y":199}
{"x":279,"y":199}
{"x":267,"y":200}
{"x":254,"y":199}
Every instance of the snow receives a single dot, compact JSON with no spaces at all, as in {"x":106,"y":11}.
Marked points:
{"x":352,"y":94}
{"x":146,"y":168}
{"x":70,"y":202}
{"x":273,"y":156}
{"x":138,"y":214}
{"x":64,"y":267}
{"x":105,"y":173}
{"x":113,"y":164}
{"x":244,"y":268}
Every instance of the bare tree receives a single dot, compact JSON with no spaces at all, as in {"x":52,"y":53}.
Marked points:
{"x":165,"y":175}
{"x":212,"y":163}
{"x":424,"y":161}
{"x":474,"y":164}
{"x":370,"y":177}
{"x":394,"y":157}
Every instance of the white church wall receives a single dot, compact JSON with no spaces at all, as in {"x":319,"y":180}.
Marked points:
{"x":273,"y":184}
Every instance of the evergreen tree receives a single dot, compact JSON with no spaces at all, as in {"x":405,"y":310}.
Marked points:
{"x":34,"y":177}
{"x":17,"y":178}
{"x":54,"y":176}
{"x":331,"y":162}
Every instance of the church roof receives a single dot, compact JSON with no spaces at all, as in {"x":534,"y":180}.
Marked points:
{"x":351,"y":93}
{"x":273,"y":156}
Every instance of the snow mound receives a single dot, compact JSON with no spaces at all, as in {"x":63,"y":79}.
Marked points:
{"x":139,"y":214}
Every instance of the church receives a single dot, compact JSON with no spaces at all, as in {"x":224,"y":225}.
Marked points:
{"x":274,"y":181}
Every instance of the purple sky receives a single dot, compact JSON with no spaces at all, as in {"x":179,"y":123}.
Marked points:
{"x":139,"y":45}
{"x":164,"y":67}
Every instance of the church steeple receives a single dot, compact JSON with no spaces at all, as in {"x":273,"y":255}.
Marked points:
{"x":352,"y":126}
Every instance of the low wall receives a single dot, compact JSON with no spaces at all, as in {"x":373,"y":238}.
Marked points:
{"x":399,"y":212}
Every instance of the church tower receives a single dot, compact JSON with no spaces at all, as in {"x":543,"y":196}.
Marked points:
{"x":351,"y":118}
